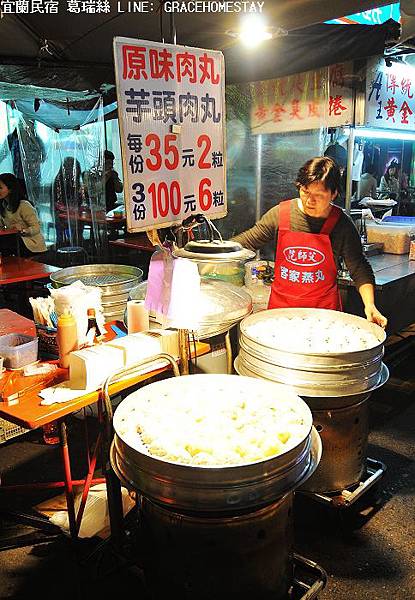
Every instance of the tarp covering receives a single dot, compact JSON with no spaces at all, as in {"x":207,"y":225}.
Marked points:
{"x":61,"y":172}
{"x":74,"y":51}
{"x":307,"y":49}
{"x":60,"y":116}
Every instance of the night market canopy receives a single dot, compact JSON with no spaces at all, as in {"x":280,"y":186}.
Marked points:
{"x":74,"y":51}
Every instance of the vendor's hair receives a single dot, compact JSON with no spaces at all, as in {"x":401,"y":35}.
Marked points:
{"x":14,"y":197}
{"x":321,"y":168}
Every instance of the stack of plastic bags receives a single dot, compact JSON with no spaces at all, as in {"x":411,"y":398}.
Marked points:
{"x":77,"y":298}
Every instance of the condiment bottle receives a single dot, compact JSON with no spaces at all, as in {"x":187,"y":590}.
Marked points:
{"x":92,"y":331}
{"x":67,"y":337}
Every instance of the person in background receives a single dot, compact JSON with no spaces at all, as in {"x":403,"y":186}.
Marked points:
{"x":17,"y":213}
{"x":368,"y":184}
{"x":312,"y":237}
{"x":389,"y":182}
{"x":34,"y":153}
{"x":113,"y":184}
{"x":68,"y":196}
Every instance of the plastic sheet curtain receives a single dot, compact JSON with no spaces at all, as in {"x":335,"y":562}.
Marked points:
{"x":262,"y":167}
{"x":61,"y":174}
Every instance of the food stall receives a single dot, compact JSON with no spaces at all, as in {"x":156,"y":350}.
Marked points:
{"x":204,"y":499}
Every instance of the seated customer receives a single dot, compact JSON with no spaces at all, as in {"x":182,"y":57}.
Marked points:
{"x":368,"y":184}
{"x":17,"y":213}
{"x":113,"y":184}
{"x":389,"y":182}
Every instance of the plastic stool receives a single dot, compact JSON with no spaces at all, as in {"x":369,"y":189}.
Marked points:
{"x":69,"y":256}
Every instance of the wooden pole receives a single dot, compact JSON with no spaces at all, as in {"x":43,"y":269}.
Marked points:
{"x":184,"y":351}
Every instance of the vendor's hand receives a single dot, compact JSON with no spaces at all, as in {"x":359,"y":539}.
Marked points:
{"x":19,"y":227}
{"x":374,"y":316}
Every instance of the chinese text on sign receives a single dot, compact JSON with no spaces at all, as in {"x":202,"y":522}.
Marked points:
{"x":171,"y":112}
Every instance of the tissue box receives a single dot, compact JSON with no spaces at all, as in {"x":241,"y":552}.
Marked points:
{"x":88,"y":368}
{"x":136,"y":347}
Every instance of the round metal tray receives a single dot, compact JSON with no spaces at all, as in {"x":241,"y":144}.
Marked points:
{"x":112,"y":279}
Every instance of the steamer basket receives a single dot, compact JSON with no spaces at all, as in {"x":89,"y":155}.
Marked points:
{"x":311,"y":374}
{"x":114,"y":281}
{"x":213,"y":489}
{"x":315,"y":361}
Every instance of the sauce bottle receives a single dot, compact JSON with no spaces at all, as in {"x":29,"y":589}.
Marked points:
{"x":67,"y":337}
{"x":92,"y":331}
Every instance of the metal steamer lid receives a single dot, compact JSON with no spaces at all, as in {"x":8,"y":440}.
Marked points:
{"x":221,"y":306}
{"x":214,"y":250}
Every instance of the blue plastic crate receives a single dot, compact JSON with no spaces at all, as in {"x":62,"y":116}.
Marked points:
{"x":399,"y":220}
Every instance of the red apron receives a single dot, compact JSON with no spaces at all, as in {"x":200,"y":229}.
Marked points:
{"x":305,"y":270}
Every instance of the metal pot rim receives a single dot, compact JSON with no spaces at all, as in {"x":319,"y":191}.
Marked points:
{"x":376,"y":330}
{"x":306,"y":413}
{"x":383,"y":378}
{"x":60,"y":277}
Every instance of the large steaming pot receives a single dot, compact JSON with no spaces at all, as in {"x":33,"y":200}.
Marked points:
{"x":200,"y":488}
{"x":223,"y":532}
{"x":312,"y":374}
{"x":336,"y":387}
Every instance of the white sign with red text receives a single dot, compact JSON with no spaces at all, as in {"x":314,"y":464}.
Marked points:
{"x":390,"y":95}
{"x":320,"y":98}
{"x":171,"y":109}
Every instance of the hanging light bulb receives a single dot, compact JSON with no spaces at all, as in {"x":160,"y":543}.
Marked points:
{"x":254,"y":31}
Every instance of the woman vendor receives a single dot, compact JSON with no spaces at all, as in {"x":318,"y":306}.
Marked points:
{"x":312,"y":235}
{"x":16,"y":213}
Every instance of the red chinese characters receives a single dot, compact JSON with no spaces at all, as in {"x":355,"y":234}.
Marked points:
{"x":134,"y":62}
{"x":406,"y":111}
{"x":277,"y":111}
{"x":141,"y":63}
{"x":335,"y":106}
{"x":390,"y":108}
{"x":161,"y":62}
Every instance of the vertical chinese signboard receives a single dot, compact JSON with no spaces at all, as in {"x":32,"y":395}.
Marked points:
{"x":171,"y":109}
{"x":390,"y":95}
{"x":320,"y":98}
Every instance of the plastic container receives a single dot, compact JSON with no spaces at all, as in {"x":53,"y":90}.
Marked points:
{"x":10,"y":430}
{"x":18,"y":350}
{"x":258,"y":272}
{"x":395,"y":238}
{"x":51,"y":433}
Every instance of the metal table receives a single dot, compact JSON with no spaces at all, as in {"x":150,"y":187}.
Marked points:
{"x":395,"y":290}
